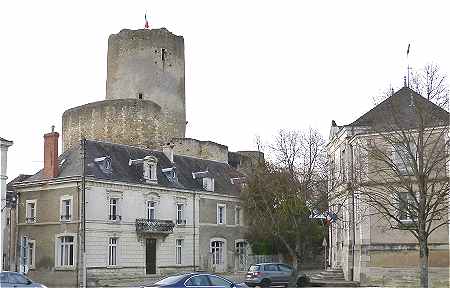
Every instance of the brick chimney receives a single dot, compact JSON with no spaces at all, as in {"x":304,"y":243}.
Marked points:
{"x":51,"y":164}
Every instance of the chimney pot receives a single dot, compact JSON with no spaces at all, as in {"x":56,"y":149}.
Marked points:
{"x":51,"y":165}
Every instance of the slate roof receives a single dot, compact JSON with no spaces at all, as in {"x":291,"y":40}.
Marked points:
{"x":119,"y":155}
{"x":20,"y":178}
{"x":397,"y":109}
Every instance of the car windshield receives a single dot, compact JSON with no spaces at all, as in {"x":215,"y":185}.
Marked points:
{"x":253,"y":268}
{"x":170,"y":280}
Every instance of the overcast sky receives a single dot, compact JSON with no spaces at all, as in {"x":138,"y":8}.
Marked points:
{"x":252,"y":67}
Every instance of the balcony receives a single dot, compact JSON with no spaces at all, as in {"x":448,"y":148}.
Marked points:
{"x":155,"y":226}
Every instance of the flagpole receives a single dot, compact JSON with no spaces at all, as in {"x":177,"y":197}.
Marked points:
{"x":407,"y":60}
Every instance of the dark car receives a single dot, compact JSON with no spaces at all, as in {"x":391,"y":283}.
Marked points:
{"x":203,"y":280}
{"x":14,"y":279}
{"x":273,"y":274}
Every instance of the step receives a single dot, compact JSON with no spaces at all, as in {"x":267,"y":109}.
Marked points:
{"x":332,"y":283}
{"x":319,"y":277}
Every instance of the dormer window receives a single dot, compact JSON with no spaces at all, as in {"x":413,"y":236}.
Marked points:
{"x":104,"y":163}
{"x":149,"y":164}
{"x":207,"y":179}
{"x":208,"y":184}
{"x":171,"y":174}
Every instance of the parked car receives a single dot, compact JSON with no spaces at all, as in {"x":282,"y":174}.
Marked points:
{"x":273,"y":274}
{"x":14,"y":279}
{"x":195,"y":280}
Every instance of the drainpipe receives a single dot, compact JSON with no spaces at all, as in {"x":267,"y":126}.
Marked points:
{"x":353,"y":214}
{"x":83,"y":207}
{"x":193,"y":222}
{"x":16,"y":232}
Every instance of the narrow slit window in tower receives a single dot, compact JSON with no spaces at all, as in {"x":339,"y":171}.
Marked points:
{"x":140,"y":95}
{"x":163,"y":54}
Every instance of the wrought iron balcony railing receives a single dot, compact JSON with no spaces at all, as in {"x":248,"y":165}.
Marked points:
{"x":154,"y":226}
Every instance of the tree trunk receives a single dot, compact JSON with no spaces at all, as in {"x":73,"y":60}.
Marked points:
{"x":423,"y":243}
{"x":296,"y":265}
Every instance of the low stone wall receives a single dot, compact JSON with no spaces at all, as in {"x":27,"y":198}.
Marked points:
{"x":406,"y":277}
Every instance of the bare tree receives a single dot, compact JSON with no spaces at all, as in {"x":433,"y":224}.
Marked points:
{"x":401,"y":169}
{"x":280,"y":196}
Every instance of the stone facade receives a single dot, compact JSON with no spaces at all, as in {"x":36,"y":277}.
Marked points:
{"x":43,"y":231}
{"x":145,"y":93}
{"x":230,"y":233}
{"x":123,"y":121}
{"x":362,"y":242}
{"x":201,"y":149}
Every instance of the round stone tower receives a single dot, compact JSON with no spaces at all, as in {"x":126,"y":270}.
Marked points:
{"x":145,"y":98}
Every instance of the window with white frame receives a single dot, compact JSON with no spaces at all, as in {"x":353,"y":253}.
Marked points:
{"x":31,"y":211}
{"x":217,"y":252}
{"x":180,"y":214}
{"x":406,"y":207}
{"x":65,"y":250}
{"x":237,"y":215}
{"x":404,"y":155}
{"x":112,"y":251}
{"x":221,"y":214}
{"x":114,"y":209}
{"x":31,"y":254}
{"x":208,"y":184}
{"x":178,"y":250}
{"x":151,"y":210}
{"x":66,"y":208}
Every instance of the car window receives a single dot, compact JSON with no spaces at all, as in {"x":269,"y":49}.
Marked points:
{"x":270,"y":267}
{"x":200,"y":280}
{"x":4,"y":278}
{"x":17,"y":279}
{"x":253,"y":268}
{"x":284,"y":268}
{"x":170,"y":280}
{"x":219,"y":282}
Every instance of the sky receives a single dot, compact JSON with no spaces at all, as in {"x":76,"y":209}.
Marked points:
{"x":252,"y":67}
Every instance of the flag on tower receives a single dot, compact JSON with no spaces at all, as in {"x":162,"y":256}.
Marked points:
{"x":146,"y":22}
{"x":407,"y":51}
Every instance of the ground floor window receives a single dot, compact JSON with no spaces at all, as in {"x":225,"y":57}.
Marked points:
{"x":31,"y":253}
{"x":217,"y":252}
{"x":65,"y":251}
{"x":178,"y":247}
{"x":112,"y":251}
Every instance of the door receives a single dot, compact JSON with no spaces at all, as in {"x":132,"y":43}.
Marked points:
{"x":218,"y":256}
{"x":150,"y":256}
{"x":241,"y":251}
{"x":285,"y":272}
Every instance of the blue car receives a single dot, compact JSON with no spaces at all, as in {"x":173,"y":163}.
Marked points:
{"x":203,"y":280}
{"x":14,"y":279}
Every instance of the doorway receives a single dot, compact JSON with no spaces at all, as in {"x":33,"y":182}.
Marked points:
{"x":150,"y":256}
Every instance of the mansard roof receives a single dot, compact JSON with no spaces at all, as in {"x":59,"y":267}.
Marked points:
{"x":402,"y":110}
{"x":120,"y":155}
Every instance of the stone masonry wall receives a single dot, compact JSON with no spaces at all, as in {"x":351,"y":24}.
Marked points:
{"x":149,"y":65}
{"x":124,"y":121}
{"x":201,"y":149}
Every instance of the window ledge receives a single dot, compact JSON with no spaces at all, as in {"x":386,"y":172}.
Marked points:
{"x":113,"y":267}
{"x":65,"y":268}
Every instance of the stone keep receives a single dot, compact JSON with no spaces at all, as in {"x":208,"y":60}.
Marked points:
{"x":145,"y":93}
